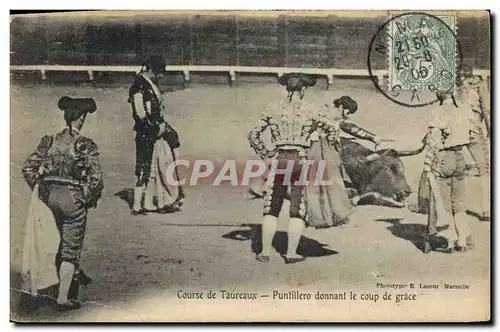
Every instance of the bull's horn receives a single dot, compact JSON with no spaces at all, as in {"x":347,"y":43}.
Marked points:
{"x":373,"y":157}
{"x":405,"y":153}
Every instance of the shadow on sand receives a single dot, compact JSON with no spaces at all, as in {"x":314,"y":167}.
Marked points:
{"x":413,"y":233}
{"x":307,"y":247}
{"x":126,"y":195}
{"x":24,"y":306}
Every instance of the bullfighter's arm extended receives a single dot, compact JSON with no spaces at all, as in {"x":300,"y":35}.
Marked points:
{"x":357,"y":131}
{"x":255,"y":137}
{"x":32,"y":166}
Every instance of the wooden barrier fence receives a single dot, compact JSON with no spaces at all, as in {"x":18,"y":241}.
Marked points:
{"x":329,"y":73}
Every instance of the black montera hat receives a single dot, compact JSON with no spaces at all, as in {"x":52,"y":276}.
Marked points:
{"x":84,"y":105}
{"x":156,"y":63}
{"x":347,"y":103}
{"x":75,"y":108}
{"x":296,"y":81}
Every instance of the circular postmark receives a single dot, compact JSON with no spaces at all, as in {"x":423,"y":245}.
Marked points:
{"x":417,"y":53}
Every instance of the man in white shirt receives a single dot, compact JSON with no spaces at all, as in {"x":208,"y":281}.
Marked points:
{"x":473,"y":94}
{"x":444,"y":165}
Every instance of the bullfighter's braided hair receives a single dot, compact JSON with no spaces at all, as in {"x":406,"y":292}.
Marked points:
{"x":347,"y":103}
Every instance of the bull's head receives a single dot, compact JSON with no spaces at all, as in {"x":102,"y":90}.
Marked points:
{"x":387,"y":173}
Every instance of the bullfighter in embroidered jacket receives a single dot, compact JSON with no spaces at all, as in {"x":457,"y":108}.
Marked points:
{"x":147,"y":112}
{"x":66,"y":168}
{"x":330,"y":205}
{"x":291,"y":122}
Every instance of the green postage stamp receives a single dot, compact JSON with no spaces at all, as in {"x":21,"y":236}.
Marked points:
{"x":422,"y":52}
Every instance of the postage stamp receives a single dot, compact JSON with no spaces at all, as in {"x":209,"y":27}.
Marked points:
{"x":422,"y":52}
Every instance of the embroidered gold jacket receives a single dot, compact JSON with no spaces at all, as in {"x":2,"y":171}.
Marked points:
{"x":291,"y":125}
{"x":66,"y":159}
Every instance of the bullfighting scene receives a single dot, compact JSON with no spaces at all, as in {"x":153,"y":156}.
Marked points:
{"x":138,"y":201}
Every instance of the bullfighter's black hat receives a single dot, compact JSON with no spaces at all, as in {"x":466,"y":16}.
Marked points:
{"x":296,"y":81}
{"x":74,"y":108}
{"x":347,"y":103}
{"x":83,"y":105}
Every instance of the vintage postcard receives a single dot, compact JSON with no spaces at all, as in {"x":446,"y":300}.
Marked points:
{"x":250,"y":166}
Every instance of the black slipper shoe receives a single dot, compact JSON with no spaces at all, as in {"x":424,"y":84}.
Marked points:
{"x":292,"y":260}
{"x":262,"y":258}
{"x":180,"y":200}
{"x":169,"y":209}
{"x":69,"y":305}
{"x":137,"y":213}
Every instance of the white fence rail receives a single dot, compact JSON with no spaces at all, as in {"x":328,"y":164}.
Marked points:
{"x":329,"y":73}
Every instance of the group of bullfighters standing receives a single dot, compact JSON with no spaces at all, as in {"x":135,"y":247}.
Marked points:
{"x":64,"y":171}
{"x":300,"y":131}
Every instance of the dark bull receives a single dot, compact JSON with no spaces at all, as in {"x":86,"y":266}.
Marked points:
{"x":377,"y":178}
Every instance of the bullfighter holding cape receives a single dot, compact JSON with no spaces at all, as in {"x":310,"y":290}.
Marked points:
{"x":330,"y":205}
{"x":155,"y":143}
{"x":65,"y":175}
